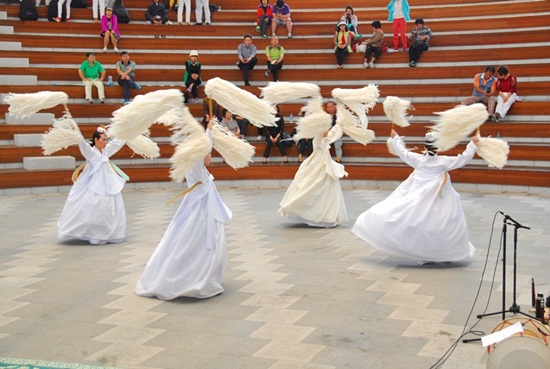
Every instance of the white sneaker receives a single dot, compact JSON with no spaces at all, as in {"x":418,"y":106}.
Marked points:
{"x":104,"y":49}
{"x":366,"y":65}
{"x":259,"y":138}
{"x":289,"y":35}
{"x":393,"y":50}
{"x":371,"y":64}
{"x":116,"y":50}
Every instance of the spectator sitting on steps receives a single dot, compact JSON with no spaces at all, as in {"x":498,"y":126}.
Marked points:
{"x":281,"y":16}
{"x":126,"y":76}
{"x":92,"y":73}
{"x":156,"y":14}
{"x":109,"y":29}
{"x":484,"y":90}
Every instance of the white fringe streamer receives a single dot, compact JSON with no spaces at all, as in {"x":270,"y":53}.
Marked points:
{"x":240,"y":102}
{"x":182,"y":122}
{"x":494,"y":151}
{"x":144,"y":146}
{"x":456,"y":124}
{"x":191,"y":150}
{"x":64,"y":133}
{"x":396,"y":110}
{"x":192,"y":144}
{"x":315,"y":121}
{"x":352,"y":127}
{"x":278,"y":92}
{"x":236,"y":152}
{"x":389,"y":144}
{"x":358,"y":100}
{"x":24,"y":105}
{"x":135,"y":118}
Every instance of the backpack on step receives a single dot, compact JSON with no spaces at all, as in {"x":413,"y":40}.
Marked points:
{"x":82,"y":4}
{"x":27,"y":10}
{"x":121,"y":13}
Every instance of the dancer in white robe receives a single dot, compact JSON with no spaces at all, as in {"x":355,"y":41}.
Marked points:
{"x":315,"y":197}
{"x":423,"y":218}
{"x":191,"y":257}
{"x":94,"y":210}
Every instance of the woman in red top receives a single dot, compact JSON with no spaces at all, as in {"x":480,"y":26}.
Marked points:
{"x":263,"y":17}
{"x":507,"y":92}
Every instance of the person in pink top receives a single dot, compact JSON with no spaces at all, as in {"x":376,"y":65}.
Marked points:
{"x":507,"y":92}
{"x":109,"y":29}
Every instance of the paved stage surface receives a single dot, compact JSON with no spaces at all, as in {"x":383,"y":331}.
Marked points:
{"x":295,"y":297}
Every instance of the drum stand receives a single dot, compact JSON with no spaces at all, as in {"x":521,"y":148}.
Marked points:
{"x":515,"y":308}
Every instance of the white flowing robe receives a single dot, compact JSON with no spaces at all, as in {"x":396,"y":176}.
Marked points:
{"x":315,"y":197}
{"x":423,"y":218}
{"x":190,"y":259}
{"x":94,"y":210}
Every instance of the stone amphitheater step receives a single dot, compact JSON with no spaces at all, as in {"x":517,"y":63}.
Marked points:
{"x":469,"y":36}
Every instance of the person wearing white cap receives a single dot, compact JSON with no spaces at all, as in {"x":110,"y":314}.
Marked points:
{"x":342,"y":43}
{"x":192,"y":77}
{"x":187,"y":5}
{"x":423,"y":218}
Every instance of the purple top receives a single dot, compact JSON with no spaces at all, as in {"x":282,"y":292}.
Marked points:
{"x":281,"y":11}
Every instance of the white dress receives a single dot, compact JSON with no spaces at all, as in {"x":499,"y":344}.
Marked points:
{"x":315,"y":197}
{"x":190,"y":259}
{"x":94,"y":210}
{"x":423,"y":218}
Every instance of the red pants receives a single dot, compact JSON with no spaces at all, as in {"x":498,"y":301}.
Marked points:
{"x":399,"y":27}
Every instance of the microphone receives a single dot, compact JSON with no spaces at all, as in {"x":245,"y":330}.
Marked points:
{"x":516,"y":223}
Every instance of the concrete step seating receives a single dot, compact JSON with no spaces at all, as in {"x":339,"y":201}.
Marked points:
{"x":469,"y":35}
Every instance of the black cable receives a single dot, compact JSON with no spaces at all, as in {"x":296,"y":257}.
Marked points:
{"x":451,"y":349}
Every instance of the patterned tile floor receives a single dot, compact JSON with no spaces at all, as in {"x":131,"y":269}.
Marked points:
{"x":295,"y":297}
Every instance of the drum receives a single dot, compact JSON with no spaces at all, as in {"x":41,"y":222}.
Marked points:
{"x":526,"y":350}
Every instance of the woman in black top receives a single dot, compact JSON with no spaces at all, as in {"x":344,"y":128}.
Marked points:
{"x":273,"y":136}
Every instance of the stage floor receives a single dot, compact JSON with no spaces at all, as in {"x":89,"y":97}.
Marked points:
{"x":295,"y":297}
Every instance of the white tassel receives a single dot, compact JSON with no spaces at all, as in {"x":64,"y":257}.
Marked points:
{"x":456,"y":124}
{"x":144,"y":146}
{"x":182,"y":122}
{"x":366,"y":96}
{"x":315,"y":120}
{"x":63,"y":134}
{"x":312,"y":125}
{"x":240,"y":102}
{"x":171,"y":118}
{"x":396,"y":110}
{"x":352,"y":127}
{"x":189,"y":152}
{"x":278,"y":92}
{"x":136,"y":117}
{"x":192,"y":144}
{"x":358,"y":100}
{"x":389,"y":144}
{"x":236,"y":152}
{"x":494,"y":151}
{"x":24,"y":105}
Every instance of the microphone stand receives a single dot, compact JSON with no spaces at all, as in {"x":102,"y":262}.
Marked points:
{"x":514,"y":308}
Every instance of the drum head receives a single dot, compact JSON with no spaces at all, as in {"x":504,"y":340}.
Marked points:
{"x":519,"y":352}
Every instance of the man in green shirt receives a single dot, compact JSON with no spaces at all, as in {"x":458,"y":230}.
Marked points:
{"x":275,"y":54}
{"x":92,"y":73}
